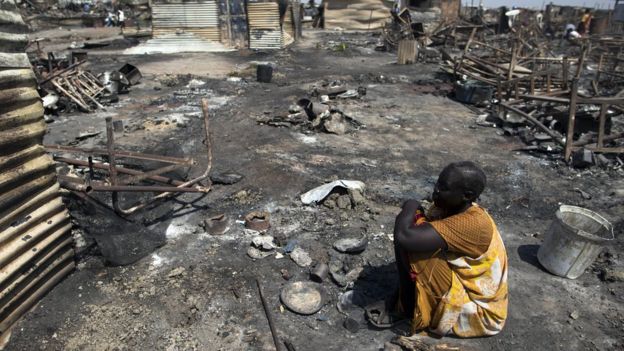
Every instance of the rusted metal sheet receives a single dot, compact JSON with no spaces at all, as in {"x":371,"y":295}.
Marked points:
{"x":35,"y":243}
{"x":198,"y":17}
{"x":356,"y":14}
{"x":265,"y":30}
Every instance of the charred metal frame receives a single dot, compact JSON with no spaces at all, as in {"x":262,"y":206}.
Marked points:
{"x":117,"y":184}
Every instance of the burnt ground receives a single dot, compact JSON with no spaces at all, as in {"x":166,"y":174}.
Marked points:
{"x":197,"y":291}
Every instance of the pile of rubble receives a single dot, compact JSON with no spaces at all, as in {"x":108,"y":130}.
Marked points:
{"x":66,"y":87}
{"x":558,"y":99}
{"x":344,"y":264}
{"x":322,"y":116}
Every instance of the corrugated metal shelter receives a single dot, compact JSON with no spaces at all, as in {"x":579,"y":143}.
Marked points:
{"x":36,"y":249}
{"x":200,"y":17}
{"x":265,"y":29}
{"x":372,"y":14}
{"x":356,"y":14}
{"x":235,"y":23}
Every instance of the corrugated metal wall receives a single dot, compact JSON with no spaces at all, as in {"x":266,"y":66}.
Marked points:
{"x":36,"y":249}
{"x":356,"y":14}
{"x":265,"y":30}
{"x":233,"y":23}
{"x":198,"y":17}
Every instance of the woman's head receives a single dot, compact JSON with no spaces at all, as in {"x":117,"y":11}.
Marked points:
{"x":459,"y":183}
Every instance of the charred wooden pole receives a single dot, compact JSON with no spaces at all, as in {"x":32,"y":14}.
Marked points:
{"x":571,"y":117}
{"x":269,"y":316}
{"x":565,"y":74}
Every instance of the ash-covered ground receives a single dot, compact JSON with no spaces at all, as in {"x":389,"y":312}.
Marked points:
{"x":197,"y":290}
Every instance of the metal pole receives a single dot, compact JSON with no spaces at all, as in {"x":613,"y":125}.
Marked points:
{"x":278,"y":345}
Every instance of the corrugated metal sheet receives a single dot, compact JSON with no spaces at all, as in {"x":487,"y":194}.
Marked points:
{"x":618,"y":13}
{"x":35,"y":243}
{"x":212,"y":34}
{"x":356,"y":14}
{"x":265,"y":30}
{"x":200,"y":18}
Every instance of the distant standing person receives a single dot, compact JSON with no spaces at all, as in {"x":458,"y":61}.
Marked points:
{"x":571,"y":34}
{"x":585,"y":23}
{"x":121,"y":17}
{"x":110,"y":19}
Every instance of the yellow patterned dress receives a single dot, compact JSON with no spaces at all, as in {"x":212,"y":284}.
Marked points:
{"x":459,"y":294}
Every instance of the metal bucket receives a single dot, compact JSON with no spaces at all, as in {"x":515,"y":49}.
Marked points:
{"x":132,"y":73}
{"x":573,"y":241}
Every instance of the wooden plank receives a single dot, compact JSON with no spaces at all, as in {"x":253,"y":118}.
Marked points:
{"x":70,"y":95}
{"x":601,"y":124}
{"x":407,"y":52}
{"x":512,"y":63}
{"x":571,"y":120}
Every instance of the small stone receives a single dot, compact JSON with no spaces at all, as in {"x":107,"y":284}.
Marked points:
{"x":263,"y":242}
{"x":336,"y":124}
{"x":257,"y":254}
{"x":329,"y":203}
{"x":574,"y":315}
{"x":330,"y":221}
{"x":290,"y":246}
{"x":388,"y":346}
{"x":176,"y":272}
{"x":351,"y":245}
{"x":285,"y":274}
{"x":351,"y":325}
{"x":602,"y":160}
{"x":226,"y":178}
{"x":136,"y":311}
{"x":340,"y":279}
{"x":241,"y":196}
{"x":301,"y":257}
{"x":343,"y":202}
{"x":584,"y":195}
{"x":356,"y":197}
{"x":613,"y":274}
{"x":294,"y":108}
{"x":374,"y":210}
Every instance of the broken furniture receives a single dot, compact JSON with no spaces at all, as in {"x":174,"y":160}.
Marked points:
{"x":81,"y":87}
{"x":116,"y":184}
{"x":535,"y":87}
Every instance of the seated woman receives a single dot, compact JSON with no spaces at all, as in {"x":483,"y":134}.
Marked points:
{"x":452,"y":264}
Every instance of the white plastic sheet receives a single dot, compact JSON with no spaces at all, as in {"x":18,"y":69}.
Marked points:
{"x":319,"y":193}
